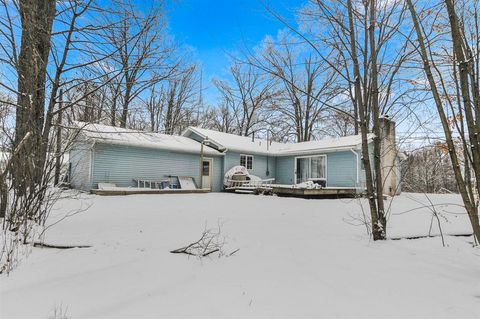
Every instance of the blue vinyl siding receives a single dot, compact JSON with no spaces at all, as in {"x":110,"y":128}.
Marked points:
{"x":259,"y":169}
{"x":341,"y":169}
{"x":80,"y":165}
{"x":362,"y":182}
{"x":285,"y":170}
{"x":121,"y":164}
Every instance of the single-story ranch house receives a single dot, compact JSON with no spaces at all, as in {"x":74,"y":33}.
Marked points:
{"x":105,"y":154}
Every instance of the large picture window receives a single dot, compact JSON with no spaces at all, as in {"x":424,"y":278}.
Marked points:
{"x":246,"y":161}
{"x":310,"y":168}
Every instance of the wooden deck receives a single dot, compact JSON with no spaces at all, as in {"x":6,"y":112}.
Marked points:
{"x":327,"y":192}
{"x":133,"y":191}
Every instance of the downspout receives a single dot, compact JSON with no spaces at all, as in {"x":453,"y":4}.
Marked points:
{"x":267,"y":173}
{"x":201,"y":165}
{"x":92,"y":162}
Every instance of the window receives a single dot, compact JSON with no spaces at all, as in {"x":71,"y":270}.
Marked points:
{"x":206,"y":168}
{"x":309,"y":168}
{"x":246,"y":161}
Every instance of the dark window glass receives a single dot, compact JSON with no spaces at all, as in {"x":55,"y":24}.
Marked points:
{"x":206,"y":168}
{"x":246,"y":161}
{"x":249,"y":162}
{"x":243,"y":161}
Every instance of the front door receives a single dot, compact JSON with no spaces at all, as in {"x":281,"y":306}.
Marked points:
{"x":207,"y":173}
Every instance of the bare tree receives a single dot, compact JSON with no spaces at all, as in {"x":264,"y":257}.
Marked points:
{"x":142,"y":53}
{"x":169,"y":105}
{"x":337,"y":124}
{"x":181,"y":93}
{"x":366,"y":45}
{"x":37,"y":20}
{"x":48,"y":62}
{"x":245,"y":98}
{"x":428,"y":170}
{"x":307,"y":84}
{"x":451,"y":65}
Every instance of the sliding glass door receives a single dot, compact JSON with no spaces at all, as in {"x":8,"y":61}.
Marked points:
{"x":303,"y":168}
{"x":311,"y":168}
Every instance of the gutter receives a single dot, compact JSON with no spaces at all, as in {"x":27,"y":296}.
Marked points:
{"x":314,"y":151}
{"x":92,"y":161}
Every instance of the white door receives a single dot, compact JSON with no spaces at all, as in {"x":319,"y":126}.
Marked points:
{"x":207,"y":173}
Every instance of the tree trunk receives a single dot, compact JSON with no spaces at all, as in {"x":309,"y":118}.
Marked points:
{"x":376,"y":125}
{"x":126,"y":102}
{"x":36,"y":19}
{"x":377,"y":227}
{"x":58,"y":150}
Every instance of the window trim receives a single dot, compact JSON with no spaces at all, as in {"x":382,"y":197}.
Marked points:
{"x":310,"y":156}
{"x":246,"y":160}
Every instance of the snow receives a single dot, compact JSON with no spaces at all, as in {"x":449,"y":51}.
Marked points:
{"x":4,"y":156}
{"x":121,"y":136}
{"x":237,"y":143}
{"x":345,"y":142}
{"x":297,"y":259}
{"x":259,"y":146}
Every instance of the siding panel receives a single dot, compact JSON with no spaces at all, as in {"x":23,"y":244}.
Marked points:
{"x":285,"y":170}
{"x":80,"y":160}
{"x":232,"y":159}
{"x":121,"y":164}
{"x":341,"y":169}
{"x":362,"y":177}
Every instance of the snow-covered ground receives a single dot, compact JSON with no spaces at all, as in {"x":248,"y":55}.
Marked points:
{"x":298,"y":258}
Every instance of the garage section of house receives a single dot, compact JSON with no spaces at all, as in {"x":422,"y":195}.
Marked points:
{"x":104,"y":154}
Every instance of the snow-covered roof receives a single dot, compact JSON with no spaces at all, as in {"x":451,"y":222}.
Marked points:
{"x":120,"y":136}
{"x":259,"y":146}
{"x":234,"y":142}
{"x":346,"y":142}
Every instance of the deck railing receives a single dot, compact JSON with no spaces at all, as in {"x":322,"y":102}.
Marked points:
{"x":263,"y":183}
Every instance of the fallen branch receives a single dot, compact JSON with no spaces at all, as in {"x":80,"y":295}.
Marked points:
{"x":233,"y":252}
{"x":210,"y":242}
{"x":44,"y":245}
{"x":431,"y":236}
{"x":210,"y":252}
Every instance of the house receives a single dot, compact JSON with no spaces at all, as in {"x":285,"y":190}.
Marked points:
{"x":104,"y":154}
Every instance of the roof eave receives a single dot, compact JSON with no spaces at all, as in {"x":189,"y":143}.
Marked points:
{"x":217,"y":144}
{"x":317,"y":151}
{"x":211,"y":152}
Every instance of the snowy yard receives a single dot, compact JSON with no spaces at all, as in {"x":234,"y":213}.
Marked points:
{"x":298,"y":258}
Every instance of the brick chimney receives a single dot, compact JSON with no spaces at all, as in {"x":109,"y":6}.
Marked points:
{"x":388,"y":156}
